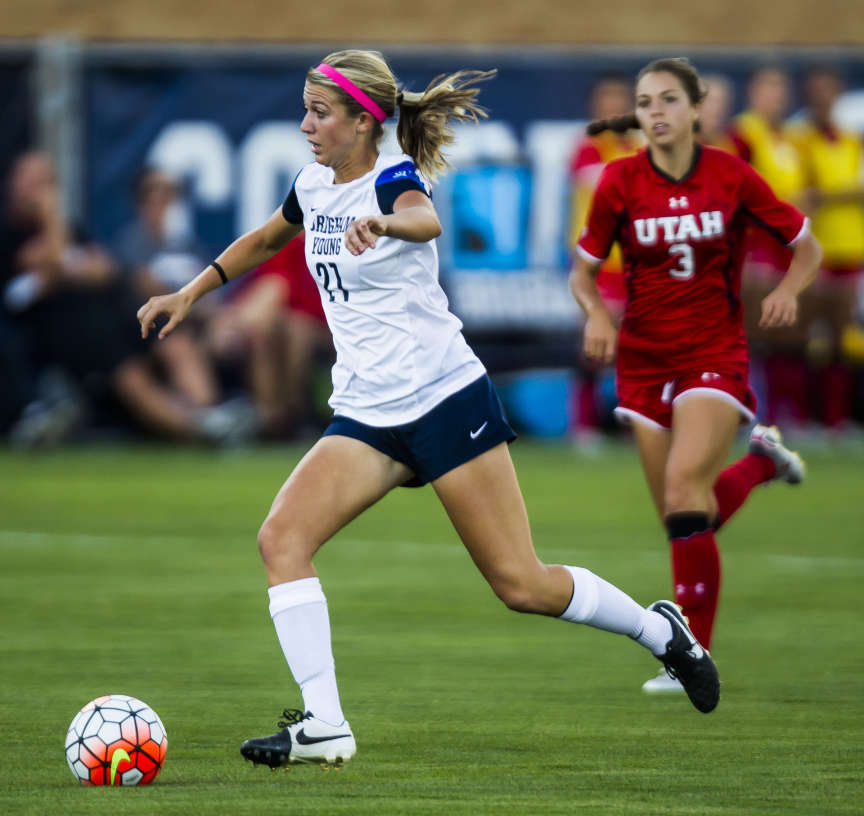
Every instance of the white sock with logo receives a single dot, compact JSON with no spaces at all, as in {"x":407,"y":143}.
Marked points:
{"x":598,"y":603}
{"x":299,"y":612}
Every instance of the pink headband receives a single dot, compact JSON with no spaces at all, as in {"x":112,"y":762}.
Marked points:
{"x":352,"y":90}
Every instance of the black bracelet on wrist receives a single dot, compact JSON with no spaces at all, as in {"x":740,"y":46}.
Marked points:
{"x":218,"y":267}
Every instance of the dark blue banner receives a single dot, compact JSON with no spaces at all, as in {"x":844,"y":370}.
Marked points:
{"x":228,"y":123}
{"x":16,"y":91}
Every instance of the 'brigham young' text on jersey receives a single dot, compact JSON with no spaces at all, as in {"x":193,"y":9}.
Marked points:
{"x":399,"y":350}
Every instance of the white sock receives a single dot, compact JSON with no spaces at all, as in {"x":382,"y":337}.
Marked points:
{"x":299,"y":612}
{"x":656,"y":632}
{"x":598,"y":603}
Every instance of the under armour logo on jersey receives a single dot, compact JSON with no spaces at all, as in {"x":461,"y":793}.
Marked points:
{"x":681,"y":201}
{"x":710,"y":376}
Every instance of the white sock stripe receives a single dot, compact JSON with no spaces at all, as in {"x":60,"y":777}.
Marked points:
{"x":295,"y":593}
{"x":586,"y":596}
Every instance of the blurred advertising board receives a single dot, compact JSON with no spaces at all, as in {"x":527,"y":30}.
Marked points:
{"x":227,"y":122}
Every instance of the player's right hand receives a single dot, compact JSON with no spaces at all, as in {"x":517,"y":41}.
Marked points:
{"x":363,"y":233}
{"x":175,"y":306}
{"x":600,"y":338}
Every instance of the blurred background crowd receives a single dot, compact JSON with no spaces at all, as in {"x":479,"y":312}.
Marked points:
{"x":72,"y":356}
{"x":92,"y":225}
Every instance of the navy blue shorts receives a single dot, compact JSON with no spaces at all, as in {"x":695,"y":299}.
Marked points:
{"x":455,"y":431}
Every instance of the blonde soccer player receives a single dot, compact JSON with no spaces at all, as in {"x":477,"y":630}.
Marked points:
{"x":412,"y":403}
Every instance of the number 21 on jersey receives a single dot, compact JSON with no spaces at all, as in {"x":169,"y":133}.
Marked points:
{"x":324,"y":273}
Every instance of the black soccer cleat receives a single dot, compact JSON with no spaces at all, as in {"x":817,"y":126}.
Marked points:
{"x":687,"y":661}
{"x":303,"y":739}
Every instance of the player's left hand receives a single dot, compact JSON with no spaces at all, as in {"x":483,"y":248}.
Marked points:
{"x":779,"y":308}
{"x":364,"y":232}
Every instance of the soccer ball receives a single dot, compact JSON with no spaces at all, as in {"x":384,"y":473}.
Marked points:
{"x":116,"y":740}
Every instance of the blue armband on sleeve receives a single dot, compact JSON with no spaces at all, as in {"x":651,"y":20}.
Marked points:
{"x":394,"y":181}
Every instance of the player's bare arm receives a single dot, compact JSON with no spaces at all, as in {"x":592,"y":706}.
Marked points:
{"x":780,"y":307}
{"x":413,"y":219}
{"x":247,"y":252}
{"x":600,"y":335}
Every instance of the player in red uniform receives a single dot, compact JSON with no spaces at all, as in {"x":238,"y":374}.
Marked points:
{"x":680,"y":211}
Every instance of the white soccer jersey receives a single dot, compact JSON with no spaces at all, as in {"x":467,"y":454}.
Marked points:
{"x":399,"y":350}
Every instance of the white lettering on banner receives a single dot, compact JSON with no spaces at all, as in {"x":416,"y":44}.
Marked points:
{"x":490,"y":143}
{"x":257,"y":173}
{"x":270,"y":156}
{"x":549,"y":146}
{"x":200,"y":152}
{"x":486,"y":143}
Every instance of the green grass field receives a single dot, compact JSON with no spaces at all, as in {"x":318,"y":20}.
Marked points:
{"x":136,"y":571}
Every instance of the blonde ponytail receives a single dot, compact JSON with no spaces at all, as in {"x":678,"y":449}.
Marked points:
{"x":424,"y":118}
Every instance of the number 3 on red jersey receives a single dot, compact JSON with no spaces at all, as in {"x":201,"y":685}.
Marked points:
{"x":685,"y":268}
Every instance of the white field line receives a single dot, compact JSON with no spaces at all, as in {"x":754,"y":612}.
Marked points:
{"x":28,"y":538}
{"x":805,"y":562}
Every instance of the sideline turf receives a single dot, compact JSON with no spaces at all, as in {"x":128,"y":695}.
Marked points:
{"x":135,"y":570}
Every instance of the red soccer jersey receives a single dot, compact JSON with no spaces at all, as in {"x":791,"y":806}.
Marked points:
{"x":682,"y":245}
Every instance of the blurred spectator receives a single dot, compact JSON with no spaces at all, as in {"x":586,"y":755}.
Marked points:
{"x":275,"y":325}
{"x":24,"y":412}
{"x":158,"y":254}
{"x":69,"y":313}
{"x":763,"y":139}
{"x":834,"y":198}
{"x":715,"y":112}
{"x":611,"y":96}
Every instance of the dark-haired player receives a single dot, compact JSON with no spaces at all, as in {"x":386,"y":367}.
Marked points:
{"x":680,"y":211}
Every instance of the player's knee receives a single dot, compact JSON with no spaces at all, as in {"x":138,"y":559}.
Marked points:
{"x":683,"y":491}
{"x":517,"y":599}
{"x":515,"y":592}
{"x":267,"y":541}
{"x":275,"y":542}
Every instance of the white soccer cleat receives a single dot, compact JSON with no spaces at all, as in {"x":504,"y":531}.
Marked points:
{"x":663,"y":684}
{"x":769,"y":442}
{"x":303,"y":739}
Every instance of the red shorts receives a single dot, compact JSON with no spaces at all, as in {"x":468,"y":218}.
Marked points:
{"x":651,"y":402}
